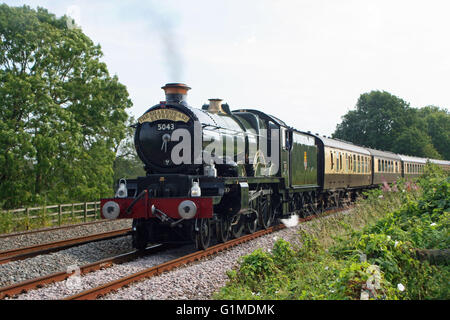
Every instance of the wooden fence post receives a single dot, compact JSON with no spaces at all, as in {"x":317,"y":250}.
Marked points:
{"x":73,"y":209}
{"x":28,"y":219}
{"x":85,"y":211}
{"x":44,"y":222}
{"x":59,"y":214}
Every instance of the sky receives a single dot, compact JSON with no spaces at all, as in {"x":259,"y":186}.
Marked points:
{"x":305,"y":62}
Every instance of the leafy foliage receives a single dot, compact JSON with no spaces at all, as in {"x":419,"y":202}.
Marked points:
{"x":386,"y":122}
{"x":376,"y":262}
{"x":62,"y":113}
{"x":127,"y":163}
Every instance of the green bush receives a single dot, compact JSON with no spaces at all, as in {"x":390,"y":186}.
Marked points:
{"x":378,"y":261}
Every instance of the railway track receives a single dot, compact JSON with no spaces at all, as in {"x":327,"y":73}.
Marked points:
{"x":35,"y":250}
{"x":94,"y":293}
{"x":51,"y":229}
{"x":22,"y":287}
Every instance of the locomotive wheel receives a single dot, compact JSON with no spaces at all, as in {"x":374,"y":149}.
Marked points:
{"x":251,"y":222}
{"x":265,"y":212}
{"x":223,"y":229}
{"x":203,"y":236}
{"x":237,"y":225}
{"x":139,"y":235}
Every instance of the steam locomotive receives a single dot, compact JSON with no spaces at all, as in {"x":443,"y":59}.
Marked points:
{"x":212,"y":172}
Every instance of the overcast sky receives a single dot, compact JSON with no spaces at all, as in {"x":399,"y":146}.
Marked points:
{"x":305,"y":62}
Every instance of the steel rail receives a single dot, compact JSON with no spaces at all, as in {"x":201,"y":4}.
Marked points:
{"x":167,"y":266}
{"x":50,"y":229}
{"x":96,"y":292}
{"x":24,"y":286}
{"x":32,"y":251}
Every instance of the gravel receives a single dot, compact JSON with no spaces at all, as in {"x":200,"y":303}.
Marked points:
{"x":17,"y":271}
{"x":25,"y":239}
{"x":197,"y":280}
{"x":74,"y":285}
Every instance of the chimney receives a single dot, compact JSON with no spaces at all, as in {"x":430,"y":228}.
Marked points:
{"x":215,"y":106}
{"x":176,"y":92}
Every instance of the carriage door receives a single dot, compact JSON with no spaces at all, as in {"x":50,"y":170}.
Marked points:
{"x":286,"y":143}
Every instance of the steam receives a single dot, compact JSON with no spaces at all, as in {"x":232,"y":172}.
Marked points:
{"x":292,"y":221}
{"x":171,"y":48}
{"x":162,"y":21}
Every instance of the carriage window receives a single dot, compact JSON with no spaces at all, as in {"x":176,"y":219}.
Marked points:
{"x":359,"y":164}
{"x":332,"y":162}
{"x":347,"y":162}
{"x":340,"y":161}
{"x":336,"y":163}
{"x":354,"y":163}
{"x":336,"y":154}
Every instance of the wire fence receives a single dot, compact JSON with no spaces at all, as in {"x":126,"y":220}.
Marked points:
{"x":23,"y":219}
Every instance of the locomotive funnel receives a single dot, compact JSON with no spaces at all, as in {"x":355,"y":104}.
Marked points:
{"x":176,"y":92}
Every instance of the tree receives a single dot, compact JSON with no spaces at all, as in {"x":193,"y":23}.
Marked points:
{"x":127,"y":163}
{"x":378,"y":117}
{"x":385,"y":122}
{"x":438,"y":128}
{"x":62,"y":113}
